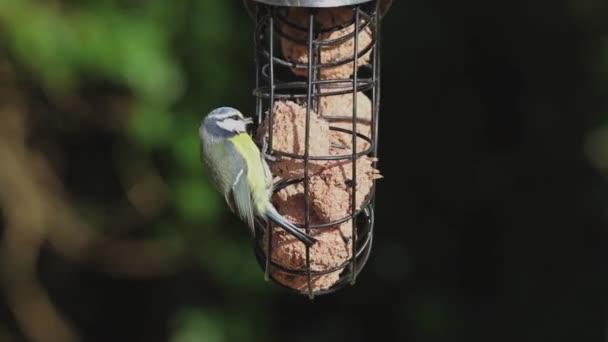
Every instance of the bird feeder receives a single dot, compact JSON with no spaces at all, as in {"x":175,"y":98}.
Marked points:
{"x":317,"y":108}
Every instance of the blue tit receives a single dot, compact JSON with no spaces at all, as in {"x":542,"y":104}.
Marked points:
{"x":239,"y":171}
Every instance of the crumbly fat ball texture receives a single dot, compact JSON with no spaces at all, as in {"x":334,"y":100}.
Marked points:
{"x":342,"y":105}
{"x":330,"y":191}
{"x":333,"y":247}
{"x":289,"y":135}
{"x":326,"y":18}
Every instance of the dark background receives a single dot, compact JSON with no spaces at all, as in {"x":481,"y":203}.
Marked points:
{"x":491,"y":219}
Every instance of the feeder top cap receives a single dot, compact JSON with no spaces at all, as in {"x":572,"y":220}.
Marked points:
{"x":312,"y":3}
{"x":384,"y":4}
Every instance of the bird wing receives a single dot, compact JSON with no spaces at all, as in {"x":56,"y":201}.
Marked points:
{"x":239,"y":195}
{"x":267,"y":172}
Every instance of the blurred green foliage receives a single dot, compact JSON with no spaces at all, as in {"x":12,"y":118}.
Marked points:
{"x":173,"y":62}
{"x":194,"y":325}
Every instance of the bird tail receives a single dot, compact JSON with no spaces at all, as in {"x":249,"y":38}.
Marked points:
{"x":274,"y":216}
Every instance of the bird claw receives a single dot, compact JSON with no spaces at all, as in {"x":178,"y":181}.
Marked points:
{"x":265,"y":150}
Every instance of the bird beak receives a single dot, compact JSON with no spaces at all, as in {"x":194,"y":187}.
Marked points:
{"x":248,"y":121}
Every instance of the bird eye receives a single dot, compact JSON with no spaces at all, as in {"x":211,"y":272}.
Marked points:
{"x":235,"y":117}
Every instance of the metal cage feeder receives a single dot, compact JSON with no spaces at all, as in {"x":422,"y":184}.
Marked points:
{"x":314,"y":29}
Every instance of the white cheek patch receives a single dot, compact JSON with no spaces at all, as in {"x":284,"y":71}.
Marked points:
{"x":232,"y":125}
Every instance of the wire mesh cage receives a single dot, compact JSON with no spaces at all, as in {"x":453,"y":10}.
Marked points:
{"x":317,"y":108}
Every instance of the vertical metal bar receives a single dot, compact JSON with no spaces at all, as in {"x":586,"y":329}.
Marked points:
{"x":375,"y":90}
{"x":377,"y":81}
{"x":317,"y":76}
{"x":354,"y":151}
{"x":269,"y":228}
{"x":258,"y":63}
{"x":375,"y":112}
{"x":309,"y":97}
{"x":271,"y":13}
